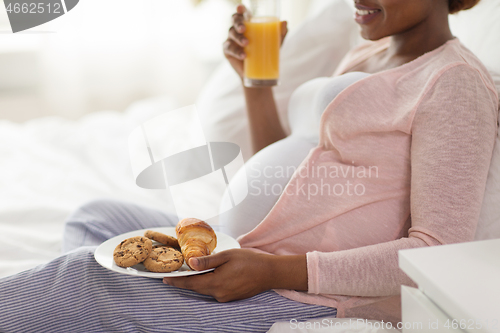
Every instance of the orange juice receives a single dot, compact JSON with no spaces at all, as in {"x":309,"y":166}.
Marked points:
{"x":263,"y":49}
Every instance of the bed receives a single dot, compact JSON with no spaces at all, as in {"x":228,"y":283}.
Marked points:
{"x":50,"y":166}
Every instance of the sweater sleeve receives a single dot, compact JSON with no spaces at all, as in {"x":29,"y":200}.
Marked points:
{"x":453,"y":134}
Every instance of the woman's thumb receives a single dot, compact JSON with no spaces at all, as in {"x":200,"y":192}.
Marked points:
{"x":206,"y":262}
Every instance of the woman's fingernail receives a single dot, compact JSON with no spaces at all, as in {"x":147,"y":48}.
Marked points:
{"x":244,"y":41}
{"x":194,"y":262}
{"x":165,"y":281}
{"x":242,"y":55}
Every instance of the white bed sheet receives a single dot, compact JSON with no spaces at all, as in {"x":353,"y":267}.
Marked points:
{"x":50,"y":166}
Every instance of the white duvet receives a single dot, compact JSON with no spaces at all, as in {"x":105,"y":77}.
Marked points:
{"x":50,"y":166}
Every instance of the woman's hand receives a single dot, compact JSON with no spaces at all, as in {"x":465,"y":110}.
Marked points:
{"x":242,"y":274}
{"x":236,"y":41}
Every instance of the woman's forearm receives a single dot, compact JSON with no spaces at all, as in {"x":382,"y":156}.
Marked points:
{"x":265,"y":126}
{"x":288,"y":272}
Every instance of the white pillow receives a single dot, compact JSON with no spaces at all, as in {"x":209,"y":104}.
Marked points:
{"x":314,"y":49}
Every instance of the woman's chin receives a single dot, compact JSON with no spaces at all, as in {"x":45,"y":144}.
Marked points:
{"x":369,"y":34}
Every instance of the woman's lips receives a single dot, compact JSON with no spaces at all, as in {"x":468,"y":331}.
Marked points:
{"x":365,"y":14}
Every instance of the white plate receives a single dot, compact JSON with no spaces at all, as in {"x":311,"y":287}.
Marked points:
{"x":104,"y":254}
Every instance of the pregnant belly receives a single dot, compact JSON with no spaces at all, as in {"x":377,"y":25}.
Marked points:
{"x":267,"y":173}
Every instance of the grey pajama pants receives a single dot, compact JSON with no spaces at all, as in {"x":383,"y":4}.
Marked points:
{"x":73,"y":293}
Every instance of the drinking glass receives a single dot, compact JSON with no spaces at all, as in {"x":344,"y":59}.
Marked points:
{"x":263,"y":31}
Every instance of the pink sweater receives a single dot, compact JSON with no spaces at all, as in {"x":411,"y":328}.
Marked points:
{"x":401,"y":163}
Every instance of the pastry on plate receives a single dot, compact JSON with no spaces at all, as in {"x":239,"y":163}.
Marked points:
{"x":196,"y":238}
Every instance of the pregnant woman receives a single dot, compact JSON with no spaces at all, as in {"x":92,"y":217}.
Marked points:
{"x":398,"y":159}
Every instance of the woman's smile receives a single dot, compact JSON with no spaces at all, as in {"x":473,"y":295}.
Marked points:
{"x":365,"y":14}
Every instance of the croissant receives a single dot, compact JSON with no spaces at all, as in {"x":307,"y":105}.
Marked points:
{"x":196,"y":238}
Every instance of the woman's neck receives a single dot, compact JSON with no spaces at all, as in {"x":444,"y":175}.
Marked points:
{"x":425,"y":37}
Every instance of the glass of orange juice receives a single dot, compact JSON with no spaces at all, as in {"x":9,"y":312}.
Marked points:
{"x":262,"y":62}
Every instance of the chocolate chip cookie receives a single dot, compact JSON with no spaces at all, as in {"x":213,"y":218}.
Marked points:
{"x":162,"y":238}
{"x":132,"y":251}
{"x":164,"y":259}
